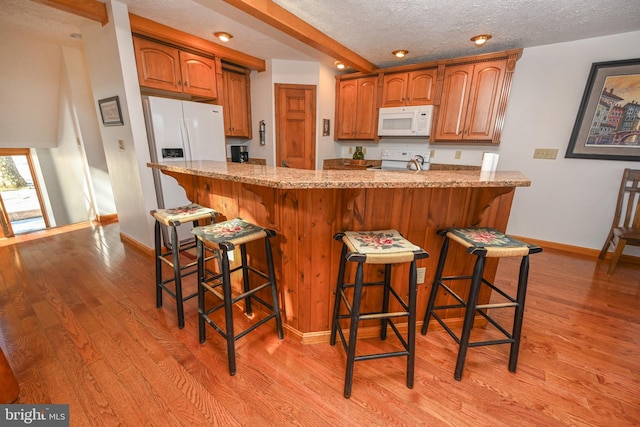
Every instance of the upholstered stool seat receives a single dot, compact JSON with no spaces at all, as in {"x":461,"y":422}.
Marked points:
{"x":172,"y":218}
{"x":483,"y":243}
{"x":386,"y":247}
{"x":225,"y":236}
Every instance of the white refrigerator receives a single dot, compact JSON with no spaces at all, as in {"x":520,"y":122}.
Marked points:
{"x":181,"y":131}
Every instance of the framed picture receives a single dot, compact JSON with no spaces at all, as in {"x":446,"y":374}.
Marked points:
{"x":110,"y":111}
{"x":608,"y":122}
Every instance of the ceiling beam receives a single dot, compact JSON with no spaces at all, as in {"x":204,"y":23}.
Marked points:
{"x":149,"y":28}
{"x":280,"y":18}
{"x":90,"y":9}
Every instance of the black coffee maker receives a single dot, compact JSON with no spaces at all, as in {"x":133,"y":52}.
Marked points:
{"x":239,"y":154}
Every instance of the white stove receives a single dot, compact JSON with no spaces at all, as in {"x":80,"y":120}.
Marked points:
{"x":398,"y":159}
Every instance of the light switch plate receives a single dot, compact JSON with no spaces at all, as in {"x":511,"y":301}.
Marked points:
{"x":545,"y":153}
{"x":421,"y":273}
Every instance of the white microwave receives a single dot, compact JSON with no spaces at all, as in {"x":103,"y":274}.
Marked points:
{"x":405,"y":121}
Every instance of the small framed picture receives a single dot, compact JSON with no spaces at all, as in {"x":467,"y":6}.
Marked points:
{"x":326,"y":127}
{"x":110,"y":111}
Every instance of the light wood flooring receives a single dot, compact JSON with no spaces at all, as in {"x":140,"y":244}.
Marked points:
{"x":78,"y":324}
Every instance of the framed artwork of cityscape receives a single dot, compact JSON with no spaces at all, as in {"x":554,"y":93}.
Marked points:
{"x":608,"y":122}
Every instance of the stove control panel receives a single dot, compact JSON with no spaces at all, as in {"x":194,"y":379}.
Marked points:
{"x":405,"y":155}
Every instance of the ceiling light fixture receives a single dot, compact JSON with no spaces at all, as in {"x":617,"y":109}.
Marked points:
{"x":481,"y":39}
{"x":400,"y":53}
{"x":340,"y":65}
{"x":223,"y":37}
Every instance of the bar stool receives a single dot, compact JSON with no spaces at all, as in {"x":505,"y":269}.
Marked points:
{"x":386,"y":247}
{"x":225,"y":236}
{"x":483,"y":243}
{"x":172,"y":218}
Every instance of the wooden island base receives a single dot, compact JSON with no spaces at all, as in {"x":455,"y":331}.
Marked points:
{"x":306,"y":219}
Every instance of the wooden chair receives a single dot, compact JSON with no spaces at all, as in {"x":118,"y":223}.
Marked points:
{"x":625,"y":229}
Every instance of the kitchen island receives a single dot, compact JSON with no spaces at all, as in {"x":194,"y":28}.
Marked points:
{"x":307,"y":207}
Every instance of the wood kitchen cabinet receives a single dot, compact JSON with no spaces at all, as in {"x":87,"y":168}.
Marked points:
{"x":236,"y":103}
{"x":168,"y":68}
{"x":356,"y":112}
{"x":473,"y":102}
{"x":412,"y":88}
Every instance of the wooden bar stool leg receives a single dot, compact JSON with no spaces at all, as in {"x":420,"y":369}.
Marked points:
{"x":274,"y":287}
{"x":245,"y":279}
{"x":353,"y":329}
{"x":201,"y":306}
{"x":228,"y":312}
{"x":385,"y":301}
{"x":338,"y":296}
{"x":175,"y":249}
{"x":158,"y":251}
{"x":519,"y":313}
{"x":411,"y":340}
{"x":469,"y":315}
{"x":436,"y":285}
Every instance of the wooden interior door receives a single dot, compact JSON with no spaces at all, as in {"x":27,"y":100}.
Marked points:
{"x":295,"y":126}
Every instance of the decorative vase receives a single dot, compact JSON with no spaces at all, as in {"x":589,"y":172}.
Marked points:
{"x":358,"y":155}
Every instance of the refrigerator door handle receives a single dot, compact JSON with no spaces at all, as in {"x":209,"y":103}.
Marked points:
{"x":184,"y":131}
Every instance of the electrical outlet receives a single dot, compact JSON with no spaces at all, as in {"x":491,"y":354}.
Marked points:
{"x":432,"y":154}
{"x":121,"y":144}
{"x":364,"y":150}
{"x":458,"y":155}
{"x":350,"y":150}
{"x":421,"y":272}
{"x":545,"y":153}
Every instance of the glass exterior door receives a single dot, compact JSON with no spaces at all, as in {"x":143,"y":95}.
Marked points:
{"x":20,"y":200}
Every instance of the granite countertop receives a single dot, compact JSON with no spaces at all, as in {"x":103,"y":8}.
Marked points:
{"x":290,"y":178}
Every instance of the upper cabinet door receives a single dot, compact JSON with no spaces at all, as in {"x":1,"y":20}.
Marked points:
{"x":394,"y":90}
{"x":237,"y":109}
{"x":198,"y":75}
{"x":414,"y":88}
{"x":421,"y":87}
{"x":453,"y":105}
{"x":356,"y":112}
{"x":158,"y":65}
{"x":484,"y":100}
{"x":171,"y":69}
{"x":472,"y":96}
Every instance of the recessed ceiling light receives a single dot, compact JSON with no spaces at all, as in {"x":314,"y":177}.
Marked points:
{"x":340,"y":65}
{"x":481,"y":39}
{"x":222,"y":36}
{"x":400,"y":53}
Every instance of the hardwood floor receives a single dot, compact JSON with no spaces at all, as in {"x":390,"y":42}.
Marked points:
{"x":78,"y":324}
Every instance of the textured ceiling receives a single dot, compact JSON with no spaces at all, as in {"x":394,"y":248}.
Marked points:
{"x":371,"y":28}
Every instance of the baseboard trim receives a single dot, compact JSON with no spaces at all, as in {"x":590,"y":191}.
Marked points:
{"x":127,"y":240}
{"x":576,"y":249}
{"x":107,"y":219}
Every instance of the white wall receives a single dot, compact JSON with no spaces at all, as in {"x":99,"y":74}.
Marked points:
{"x":30,"y":70}
{"x":570,"y":201}
{"x":111,"y":64}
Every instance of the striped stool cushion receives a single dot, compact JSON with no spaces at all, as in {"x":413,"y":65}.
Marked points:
{"x":182,"y":214}
{"x":495,"y":242}
{"x":381,"y":247}
{"x":235,"y":231}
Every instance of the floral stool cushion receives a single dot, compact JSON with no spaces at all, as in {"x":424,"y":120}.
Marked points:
{"x":381,"y":247}
{"x":182,"y":214}
{"x":495,"y":242}
{"x":235,"y":231}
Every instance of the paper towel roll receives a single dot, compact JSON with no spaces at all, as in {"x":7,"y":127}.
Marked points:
{"x":494,"y":166}
{"x":487,"y":162}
